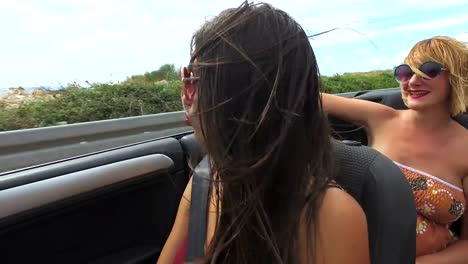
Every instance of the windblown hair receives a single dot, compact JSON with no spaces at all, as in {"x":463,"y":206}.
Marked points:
{"x":453,"y":55}
{"x":265,"y":131}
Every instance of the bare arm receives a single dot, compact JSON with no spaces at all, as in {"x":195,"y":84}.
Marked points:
{"x":457,"y":253}
{"x":342,"y":230}
{"x":357,"y":111}
{"x":179,"y":229}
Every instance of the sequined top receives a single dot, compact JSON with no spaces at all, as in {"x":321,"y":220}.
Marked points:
{"x":438,"y":205}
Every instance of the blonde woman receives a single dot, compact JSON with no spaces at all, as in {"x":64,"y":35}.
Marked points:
{"x":425,"y":142}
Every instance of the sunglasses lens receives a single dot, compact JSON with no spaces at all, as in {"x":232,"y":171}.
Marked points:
{"x":431,"y":69}
{"x":403,"y":73}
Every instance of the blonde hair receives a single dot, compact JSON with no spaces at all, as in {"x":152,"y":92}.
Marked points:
{"x":453,"y":55}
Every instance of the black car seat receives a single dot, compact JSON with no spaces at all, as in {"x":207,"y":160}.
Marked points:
{"x":384,"y":194}
{"x":371,"y":178}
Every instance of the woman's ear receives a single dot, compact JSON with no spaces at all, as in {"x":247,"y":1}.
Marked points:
{"x":189,"y":98}
{"x":189,"y":91}
{"x":188,"y":85}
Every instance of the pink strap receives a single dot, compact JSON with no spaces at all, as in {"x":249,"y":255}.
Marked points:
{"x":181,"y":252}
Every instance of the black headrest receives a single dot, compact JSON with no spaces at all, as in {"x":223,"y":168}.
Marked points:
{"x":462,"y":119}
{"x":192,"y":149}
{"x":386,"y":198}
{"x":393,"y":99}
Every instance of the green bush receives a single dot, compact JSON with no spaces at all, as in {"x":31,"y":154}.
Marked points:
{"x":166,"y":72}
{"x":75,"y":104}
{"x":150,"y":93}
{"x":353,"y":82}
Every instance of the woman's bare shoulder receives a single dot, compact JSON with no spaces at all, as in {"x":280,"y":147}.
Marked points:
{"x":464,"y":141}
{"x":338,"y":203}
{"x":338,"y":243}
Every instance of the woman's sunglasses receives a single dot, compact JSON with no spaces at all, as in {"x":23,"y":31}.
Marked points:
{"x":187,"y":75}
{"x":188,"y":83}
{"x":430,"y":69}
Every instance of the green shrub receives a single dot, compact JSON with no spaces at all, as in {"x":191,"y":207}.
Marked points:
{"x":353,"y":82}
{"x":150,"y":93}
{"x":99,"y":102}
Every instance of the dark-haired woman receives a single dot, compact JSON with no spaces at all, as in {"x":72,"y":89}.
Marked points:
{"x":252,"y":94}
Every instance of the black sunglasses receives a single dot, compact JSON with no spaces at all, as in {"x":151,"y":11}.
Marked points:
{"x":430,"y":69}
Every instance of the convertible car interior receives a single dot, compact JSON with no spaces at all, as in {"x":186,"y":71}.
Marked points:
{"x":118,"y":205}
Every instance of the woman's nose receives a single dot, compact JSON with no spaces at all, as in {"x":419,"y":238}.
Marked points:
{"x":415,"y":80}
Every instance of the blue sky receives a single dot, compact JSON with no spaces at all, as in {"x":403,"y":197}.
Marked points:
{"x":55,"y":42}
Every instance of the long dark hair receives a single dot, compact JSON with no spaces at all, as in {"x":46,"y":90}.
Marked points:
{"x":265,"y":131}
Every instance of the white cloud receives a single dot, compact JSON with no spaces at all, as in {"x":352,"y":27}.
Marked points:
{"x":56,"y":40}
{"x":463,"y":37}
{"x":400,"y":56}
{"x":366,"y":34}
{"x":431,"y":25}
{"x":345,"y":36}
{"x":425,"y":4}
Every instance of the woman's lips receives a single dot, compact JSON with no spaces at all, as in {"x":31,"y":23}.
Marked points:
{"x":416,"y":94}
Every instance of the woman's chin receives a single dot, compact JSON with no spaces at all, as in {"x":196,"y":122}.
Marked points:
{"x":423,"y":106}
{"x":416,"y":106}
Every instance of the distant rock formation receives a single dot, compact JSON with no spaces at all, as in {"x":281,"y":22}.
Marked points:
{"x":15,"y":97}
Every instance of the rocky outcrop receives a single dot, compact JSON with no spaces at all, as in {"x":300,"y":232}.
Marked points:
{"x":15,"y":97}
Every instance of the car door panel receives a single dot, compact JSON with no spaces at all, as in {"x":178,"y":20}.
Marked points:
{"x":166,"y":146}
{"x":36,"y":194}
{"x":114,"y":209}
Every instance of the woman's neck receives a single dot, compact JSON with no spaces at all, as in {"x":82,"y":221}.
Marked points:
{"x":430,"y":118}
